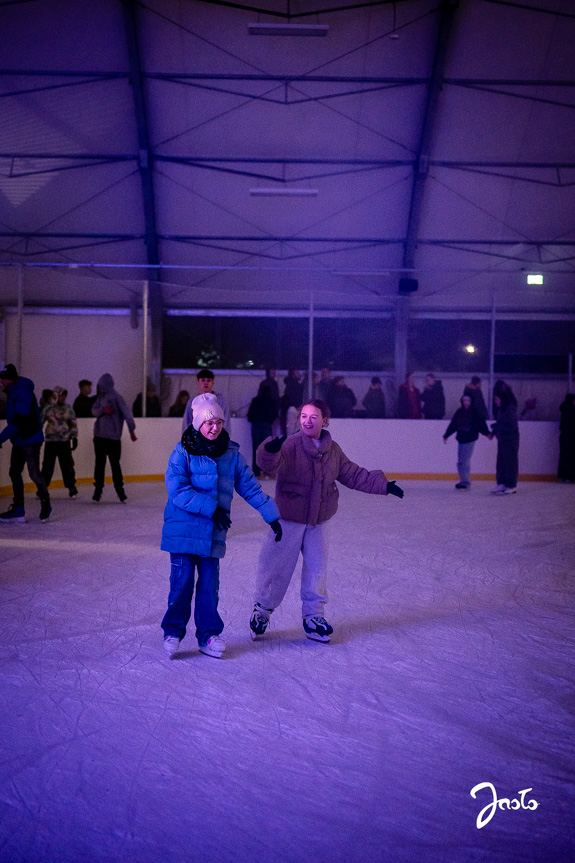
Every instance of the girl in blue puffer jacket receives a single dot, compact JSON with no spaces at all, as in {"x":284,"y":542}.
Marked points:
{"x":203,"y":471}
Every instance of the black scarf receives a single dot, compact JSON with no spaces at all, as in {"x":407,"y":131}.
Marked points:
{"x":196,"y":444}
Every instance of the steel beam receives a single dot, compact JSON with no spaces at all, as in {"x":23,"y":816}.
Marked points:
{"x":145,"y":164}
{"x":448,"y":9}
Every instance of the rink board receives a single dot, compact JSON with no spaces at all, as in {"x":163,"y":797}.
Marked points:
{"x":403,"y":449}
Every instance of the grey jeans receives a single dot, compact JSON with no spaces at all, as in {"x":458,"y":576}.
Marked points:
{"x":278,"y":561}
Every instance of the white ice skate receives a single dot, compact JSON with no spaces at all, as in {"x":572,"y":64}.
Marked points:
{"x":171,"y":644}
{"x":214,"y":646}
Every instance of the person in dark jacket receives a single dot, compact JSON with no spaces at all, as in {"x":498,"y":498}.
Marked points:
{"x":262,"y":413}
{"x":83,"y":402}
{"x":506,"y":430}
{"x":432,"y":399}
{"x":341,"y":399}
{"x":566,"y":468}
{"x":153,"y":403}
{"x":24,"y":431}
{"x":179,"y":407}
{"x":374,"y":400}
{"x":473,"y":389}
{"x":111,"y":411}
{"x":409,"y":400}
{"x":204,"y":470}
{"x":467,"y":425}
{"x":292,"y":397}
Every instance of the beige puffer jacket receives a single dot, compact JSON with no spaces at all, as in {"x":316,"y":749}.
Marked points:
{"x":306,"y":491}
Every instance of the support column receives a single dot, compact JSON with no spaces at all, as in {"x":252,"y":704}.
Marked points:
{"x":310,"y":349}
{"x":492,"y":356}
{"x":145,"y":166}
{"x":20,"y":318}
{"x":401,"y":323}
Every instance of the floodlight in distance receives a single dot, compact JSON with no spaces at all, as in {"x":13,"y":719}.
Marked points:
{"x":471,"y":349}
{"x":287,"y":192}
{"x":534,"y":279}
{"x":288,"y":29}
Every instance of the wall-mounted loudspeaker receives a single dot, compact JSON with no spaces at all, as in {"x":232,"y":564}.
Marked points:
{"x":408,"y":286}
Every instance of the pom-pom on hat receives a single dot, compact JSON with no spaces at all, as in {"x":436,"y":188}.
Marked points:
{"x":205,"y":407}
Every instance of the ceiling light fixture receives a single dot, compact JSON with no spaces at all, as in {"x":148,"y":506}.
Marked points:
{"x":288,"y":29}
{"x":535,"y":279}
{"x":286,"y":192}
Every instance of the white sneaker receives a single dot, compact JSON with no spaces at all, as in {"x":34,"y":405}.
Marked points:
{"x":214,"y":646}
{"x":507,"y":490}
{"x":499,"y":489}
{"x":171,"y":644}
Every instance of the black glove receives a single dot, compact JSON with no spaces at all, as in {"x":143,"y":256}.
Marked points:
{"x":277,"y":529}
{"x":222,"y":518}
{"x":74,"y":443}
{"x":392,"y":488}
{"x":274,"y":445}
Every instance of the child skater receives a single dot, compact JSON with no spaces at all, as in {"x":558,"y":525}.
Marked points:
{"x":203,"y":471}
{"x":307,"y":464}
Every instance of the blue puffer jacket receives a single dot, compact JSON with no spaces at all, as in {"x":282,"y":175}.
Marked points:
{"x":197,"y":484}
{"x":24,"y":426}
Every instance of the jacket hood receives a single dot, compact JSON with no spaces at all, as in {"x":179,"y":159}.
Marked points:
{"x":106,"y":383}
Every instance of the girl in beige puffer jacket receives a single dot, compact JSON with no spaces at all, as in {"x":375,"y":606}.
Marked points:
{"x":307,"y":465}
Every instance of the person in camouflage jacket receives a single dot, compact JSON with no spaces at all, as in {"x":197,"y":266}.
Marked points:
{"x":61,"y":435}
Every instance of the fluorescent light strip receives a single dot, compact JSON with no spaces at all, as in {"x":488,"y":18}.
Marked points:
{"x":286,"y":192}
{"x":288,"y":29}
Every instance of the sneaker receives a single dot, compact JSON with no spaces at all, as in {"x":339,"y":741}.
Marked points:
{"x":214,"y":646}
{"x":507,"y":490}
{"x":45,"y":510}
{"x":317,"y":628}
{"x":13,"y":515}
{"x":97,"y":496}
{"x":462,"y":485}
{"x":171,"y":644}
{"x":499,"y":489}
{"x":259,"y":620}
{"x":122,"y":496}
{"x":73,"y":492}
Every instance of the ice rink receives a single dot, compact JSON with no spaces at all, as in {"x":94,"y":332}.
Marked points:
{"x":451,"y":666}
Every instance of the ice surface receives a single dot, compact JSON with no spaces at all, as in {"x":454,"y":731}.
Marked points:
{"x":451,"y":665}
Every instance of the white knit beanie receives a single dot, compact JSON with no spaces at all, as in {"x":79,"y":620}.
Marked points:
{"x":205,"y":407}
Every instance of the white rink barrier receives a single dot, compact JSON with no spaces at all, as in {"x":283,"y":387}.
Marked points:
{"x":404,"y":449}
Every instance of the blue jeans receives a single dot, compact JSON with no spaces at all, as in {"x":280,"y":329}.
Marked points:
{"x":208,"y":621}
{"x":464,"y":453}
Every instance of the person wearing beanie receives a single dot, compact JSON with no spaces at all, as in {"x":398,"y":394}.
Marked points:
{"x":61,"y":433}
{"x":24,"y":431}
{"x":203,"y":471}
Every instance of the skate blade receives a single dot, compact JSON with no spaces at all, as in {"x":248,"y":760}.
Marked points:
{"x":313,"y":637}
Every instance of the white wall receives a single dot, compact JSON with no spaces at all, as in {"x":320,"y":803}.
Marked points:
{"x":401,"y":448}
{"x":60,"y":350}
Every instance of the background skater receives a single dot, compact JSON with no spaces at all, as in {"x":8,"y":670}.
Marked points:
{"x":307,"y":464}
{"x":24,"y":431}
{"x":467,"y":425}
